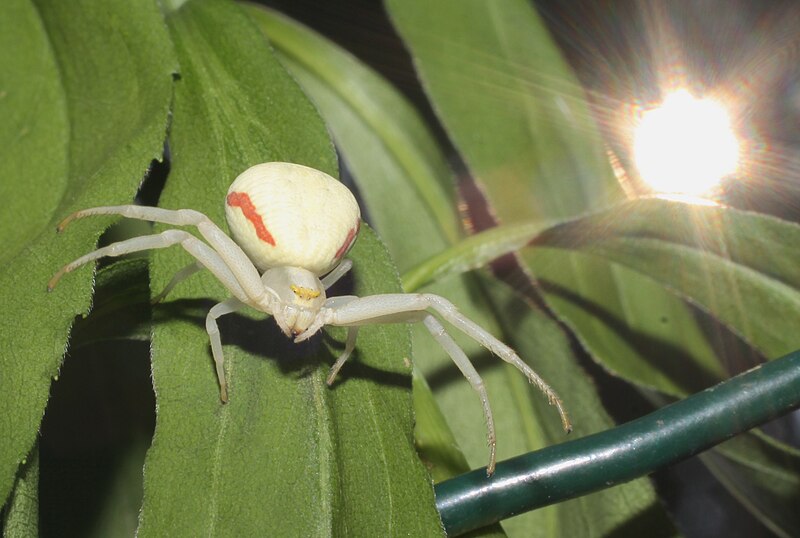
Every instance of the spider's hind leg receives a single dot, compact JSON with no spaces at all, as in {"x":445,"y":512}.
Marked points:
{"x":449,"y":312}
{"x":463,"y":363}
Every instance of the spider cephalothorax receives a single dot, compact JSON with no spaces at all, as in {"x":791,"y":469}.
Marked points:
{"x":291,"y":227}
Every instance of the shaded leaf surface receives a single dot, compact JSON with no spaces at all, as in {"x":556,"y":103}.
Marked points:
{"x":87,"y":101}
{"x":631,"y":509}
{"x":20,"y":518}
{"x":287,"y":456}
{"x":762,"y":474}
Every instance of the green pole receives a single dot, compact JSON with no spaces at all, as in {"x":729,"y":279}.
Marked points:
{"x":615,"y":456}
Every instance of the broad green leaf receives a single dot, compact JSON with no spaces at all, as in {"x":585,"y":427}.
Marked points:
{"x":513,"y":107}
{"x":510,"y":103}
{"x":287,"y":456}
{"x":394,"y":199}
{"x":85,"y":102}
{"x":20,"y":518}
{"x":742,"y":268}
{"x":628,"y":322}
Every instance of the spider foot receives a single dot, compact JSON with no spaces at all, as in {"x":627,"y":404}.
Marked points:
{"x":53,"y":282}
{"x":331,"y":376}
{"x":64,"y":223}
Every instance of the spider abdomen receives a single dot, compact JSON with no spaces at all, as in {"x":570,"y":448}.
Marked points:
{"x":284,"y":214}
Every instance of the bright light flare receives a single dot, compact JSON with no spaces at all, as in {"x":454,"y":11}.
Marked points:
{"x":685,"y":146}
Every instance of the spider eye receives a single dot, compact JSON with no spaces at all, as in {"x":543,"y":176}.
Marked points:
{"x":284,"y":214}
{"x":306,"y":294}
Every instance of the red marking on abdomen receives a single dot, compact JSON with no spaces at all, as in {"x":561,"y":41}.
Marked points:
{"x":242,"y":200}
{"x":348,"y":240}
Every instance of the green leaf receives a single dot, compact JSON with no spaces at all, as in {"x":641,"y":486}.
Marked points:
{"x":85,"y":102}
{"x":740,"y":267}
{"x":309,"y":459}
{"x":20,"y":518}
{"x":473,"y":252}
{"x":510,"y":103}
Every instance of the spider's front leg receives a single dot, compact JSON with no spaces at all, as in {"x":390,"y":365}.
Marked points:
{"x":220,"y":309}
{"x":231,"y":254}
{"x":228,"y":263}
{"x":393,"y":308}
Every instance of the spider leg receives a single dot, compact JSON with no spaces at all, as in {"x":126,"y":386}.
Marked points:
{"x":451,"y":314}
{"x":349,"y":346}
{"x":463,"y":363}
{"x":179,"y":277}
{"x":220,"y":309}
{"x":202,"y":252}
{"x":392,"y":308}
{"x":338,"y":272}
{"x":234,"y":257}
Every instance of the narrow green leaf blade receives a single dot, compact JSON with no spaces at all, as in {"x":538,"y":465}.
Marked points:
{"x":740,"y":267}
{"x":87,"y":99}
{"x":473,"y":252}
{"x":510,"y":103}
{"x":309,"y":459}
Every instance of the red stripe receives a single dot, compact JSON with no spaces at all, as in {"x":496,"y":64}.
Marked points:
{"x":242,"y":200}
{"x":348,"y":240}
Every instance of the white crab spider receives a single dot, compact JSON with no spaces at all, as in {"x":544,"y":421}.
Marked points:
{"x":291,"y":225}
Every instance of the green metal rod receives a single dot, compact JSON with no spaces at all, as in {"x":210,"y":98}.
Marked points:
{"x":615,"y":456}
